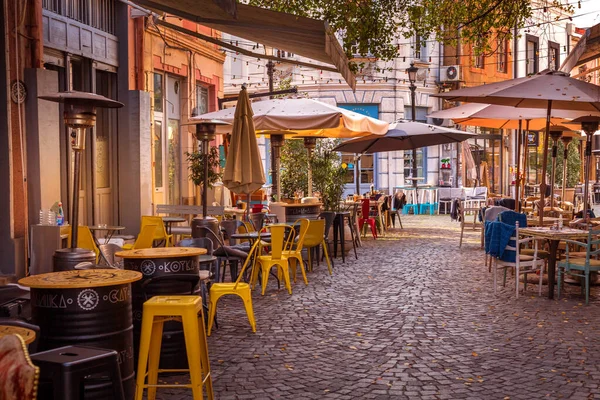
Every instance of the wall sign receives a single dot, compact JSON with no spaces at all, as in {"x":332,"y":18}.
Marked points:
{"x":532,"y":139}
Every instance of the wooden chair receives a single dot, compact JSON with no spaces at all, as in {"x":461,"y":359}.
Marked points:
{"x":581,"y":267}
{"x":465,"y":213}
{"x":523,"y":264}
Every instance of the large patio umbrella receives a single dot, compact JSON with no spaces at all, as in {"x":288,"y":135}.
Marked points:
{"x":243,"y":167}
{"x":547,"y":89}
{"x":302,"y":118}
{"x":405,"y":135}
{"x":505,"y":117}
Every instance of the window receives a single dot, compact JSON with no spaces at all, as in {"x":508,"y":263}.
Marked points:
{"x":201,"y":100}
{"x":532,"y":54}
{"x":502,"y":53}
{"x":478,"y":58}
{"x":348,"y":159}
{"x":158,"y":93}
{"x":100,"y":14}
{"x":366,"y":168}
{"x":419,"y":47}
{"x":553,"y":56}
{"x":408,"y":164}
{"x":158,"y":157}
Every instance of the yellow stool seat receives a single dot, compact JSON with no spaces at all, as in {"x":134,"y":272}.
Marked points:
{"x":188,"y":310}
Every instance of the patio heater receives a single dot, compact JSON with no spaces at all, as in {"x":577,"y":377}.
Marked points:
{"x":555,"y":134}
{"x":79,"y":115}
{"x":206,"y":130}
{"x":412,"y":78}
{"x":589,"y":124}
{"x":310,"y":143}
{"x":566,"y":140}
{"x":276,"y":143}
{"x":596,"y":152}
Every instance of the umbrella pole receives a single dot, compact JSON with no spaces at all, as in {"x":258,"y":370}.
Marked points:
{"x":545,"y":164}
{"x":357,"y":173}
{"x":526,"y":155}
{"x":553,"y":173}
{"x":248,"y":207}
{"x":518,"y":177}
{"x":205,"y":177}
{"x":415,"y":169}
{"x":588,"y":157}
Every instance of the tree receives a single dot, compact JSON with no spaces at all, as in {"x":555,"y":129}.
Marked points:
{"x":294,"y":168}
{"x":370,"y":28}
{"x":196,"y":167}
{"x":573,"y":163}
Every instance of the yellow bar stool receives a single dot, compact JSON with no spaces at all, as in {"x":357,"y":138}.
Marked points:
{"x":187,"y":310}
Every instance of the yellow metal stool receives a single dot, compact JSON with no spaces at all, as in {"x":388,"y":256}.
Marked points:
{"x":188,"y":310}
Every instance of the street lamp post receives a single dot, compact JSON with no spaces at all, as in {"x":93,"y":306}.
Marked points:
{"x":412,"y":78}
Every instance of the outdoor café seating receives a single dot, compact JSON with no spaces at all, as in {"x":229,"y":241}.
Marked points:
{"x":504,"y":243}
{"x":238,"y":288}
{"x":65,"y":368}
{"x":469,"y":218}
{"x":157,"y":311}
{"x":314,"y":238}
{"x":144,"y":240}
{"x":280,"y":240}
{"x":366,"y":218}
{"x":293,"y":250}
{"x":581,"y":266}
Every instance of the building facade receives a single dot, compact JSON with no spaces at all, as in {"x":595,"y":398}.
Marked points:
{"x":134,"y":156}
{"x":382,"y":92}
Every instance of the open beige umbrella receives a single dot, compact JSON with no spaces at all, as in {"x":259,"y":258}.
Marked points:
{"x":243,"y":167}
{"x":302,"y":118}
{"x":547,"y":89}
{"x":505,"y":117}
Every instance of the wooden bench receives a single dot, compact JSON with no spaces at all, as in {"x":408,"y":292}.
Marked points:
{"x":189,"y":212}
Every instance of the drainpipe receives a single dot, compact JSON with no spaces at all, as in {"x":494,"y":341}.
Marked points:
{"x":515,"y":52}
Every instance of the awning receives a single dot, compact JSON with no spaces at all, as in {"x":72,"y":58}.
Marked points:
{"x":299,"y":35}
{"x":587,"y":49}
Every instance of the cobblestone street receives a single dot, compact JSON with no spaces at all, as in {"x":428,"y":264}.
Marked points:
{"x":415,"y":317}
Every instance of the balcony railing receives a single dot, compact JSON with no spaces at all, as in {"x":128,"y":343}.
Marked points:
{"x":99,"y":14}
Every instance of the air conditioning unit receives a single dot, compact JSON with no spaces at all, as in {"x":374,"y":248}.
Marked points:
{"x":444,"y":122}
{"x":450,"y":73}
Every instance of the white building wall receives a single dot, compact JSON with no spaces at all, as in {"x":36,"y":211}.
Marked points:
{"x":388,"y":88}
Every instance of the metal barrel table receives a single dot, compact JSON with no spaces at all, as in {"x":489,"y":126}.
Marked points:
{"x":157,"y":265}
{"x":88,"y":308}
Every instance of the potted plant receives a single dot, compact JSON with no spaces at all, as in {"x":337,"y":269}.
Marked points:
{"x":329,"y":175}
{"x":196,"y":167}
{"x":294,"y":169}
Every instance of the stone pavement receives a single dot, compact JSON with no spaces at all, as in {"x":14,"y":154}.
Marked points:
{"x":415,"y":317}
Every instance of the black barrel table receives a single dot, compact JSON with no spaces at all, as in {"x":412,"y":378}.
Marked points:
{"x":166,"y":271}
{"x":89,"y":308}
